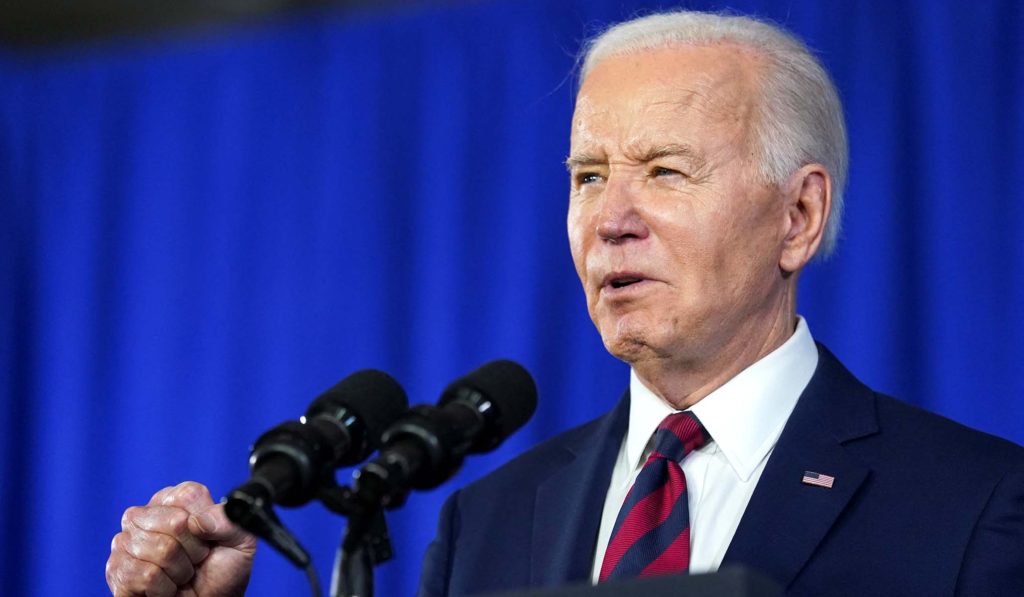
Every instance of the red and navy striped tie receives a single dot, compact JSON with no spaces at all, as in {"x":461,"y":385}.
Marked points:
{"x":652,"y":532}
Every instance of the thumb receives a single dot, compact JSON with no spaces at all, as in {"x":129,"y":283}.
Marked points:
{"x":212,"y":524}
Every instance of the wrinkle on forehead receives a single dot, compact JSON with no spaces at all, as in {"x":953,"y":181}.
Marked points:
{"x":721,"y":87}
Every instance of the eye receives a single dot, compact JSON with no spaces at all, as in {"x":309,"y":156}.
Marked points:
{"x":585,"y":178}
{"x":662,"y":171}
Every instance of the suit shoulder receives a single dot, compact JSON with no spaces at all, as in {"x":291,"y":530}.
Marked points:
{"x":540,"y":461}
{"x":954,"y":441}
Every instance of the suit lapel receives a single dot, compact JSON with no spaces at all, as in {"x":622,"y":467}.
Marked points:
{"x":787,"y":519}
{"x":569,"y":504}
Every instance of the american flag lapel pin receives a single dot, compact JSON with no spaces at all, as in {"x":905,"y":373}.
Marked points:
{"x":817,"y":479}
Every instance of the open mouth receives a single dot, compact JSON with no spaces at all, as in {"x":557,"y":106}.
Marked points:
{"x":623,"y":282}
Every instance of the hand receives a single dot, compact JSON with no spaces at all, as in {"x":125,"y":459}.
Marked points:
{"x":179,"y":544}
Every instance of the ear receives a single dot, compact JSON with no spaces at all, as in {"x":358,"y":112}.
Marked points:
{"x":808,"y":196}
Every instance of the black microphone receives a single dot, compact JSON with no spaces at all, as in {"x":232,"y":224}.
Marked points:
{"x":427,"y":446}
{"x":291,"y":462}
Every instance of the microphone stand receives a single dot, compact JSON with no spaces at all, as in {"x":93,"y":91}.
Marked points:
{"x":364,"y":544}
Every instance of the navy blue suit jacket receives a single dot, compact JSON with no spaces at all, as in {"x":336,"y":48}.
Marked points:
{"x":920,"y":506}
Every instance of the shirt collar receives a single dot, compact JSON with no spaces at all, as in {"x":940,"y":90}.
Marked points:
{"x":745,"y":416}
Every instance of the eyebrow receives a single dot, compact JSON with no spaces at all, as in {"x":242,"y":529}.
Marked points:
{"x":669,"y":151}
{"x":644,"y":156}
{"x":583,"y":159}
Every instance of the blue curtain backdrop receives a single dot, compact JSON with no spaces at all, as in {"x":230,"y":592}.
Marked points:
{"x":202,"y":231}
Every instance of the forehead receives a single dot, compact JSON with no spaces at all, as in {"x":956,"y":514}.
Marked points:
{"x":699,"y":92}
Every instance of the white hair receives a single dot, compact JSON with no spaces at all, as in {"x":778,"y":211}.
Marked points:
{"x":800,"y":119}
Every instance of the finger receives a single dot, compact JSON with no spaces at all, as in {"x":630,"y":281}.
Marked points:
{"x":159,"y":496}
{"x":113,"y":571}
{"x":158,"y":549}
{"x":167,"y":520}
{"x":191,"y":496}
{"x":129,"y":577}
{"x":212,"y":524}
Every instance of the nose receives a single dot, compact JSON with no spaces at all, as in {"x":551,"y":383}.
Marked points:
{"x":619,"y":219}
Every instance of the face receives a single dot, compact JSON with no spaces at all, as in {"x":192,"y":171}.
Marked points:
{"x":675,"y":240}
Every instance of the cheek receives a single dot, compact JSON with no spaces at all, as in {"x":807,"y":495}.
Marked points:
{"x":708,"y":255}
{"x":748,"y":254}
{"x":577,"y":239}
{"x":762,"y":240}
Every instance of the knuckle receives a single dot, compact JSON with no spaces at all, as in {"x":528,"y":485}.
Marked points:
{"x":165,"y":548}
{"x":164,"y":519}
{"x":190,"y":491}
{"x":160,"y":496}
{"x":118,"y":544}
{"x":110,"y":571}
{"x":149,"y":574}
{"x":129,"y":515}
{"x":130,"y":576}
{"x":174,"y":521}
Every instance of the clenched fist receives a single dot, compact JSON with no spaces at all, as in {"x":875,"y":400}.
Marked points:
{"x":179,"y":544}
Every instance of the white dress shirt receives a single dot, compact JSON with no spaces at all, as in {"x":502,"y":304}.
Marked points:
{"x":744,"y":417}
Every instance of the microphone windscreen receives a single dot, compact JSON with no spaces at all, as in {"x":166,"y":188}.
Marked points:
{"x":374,"y":396}
{"x":508,"y":386}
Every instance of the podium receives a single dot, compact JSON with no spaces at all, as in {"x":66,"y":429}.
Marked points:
{"x":735,"y":581}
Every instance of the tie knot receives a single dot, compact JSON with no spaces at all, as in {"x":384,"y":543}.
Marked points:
{"x":678,"y":435}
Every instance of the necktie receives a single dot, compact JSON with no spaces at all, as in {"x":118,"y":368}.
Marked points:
{"x":652,"y":532}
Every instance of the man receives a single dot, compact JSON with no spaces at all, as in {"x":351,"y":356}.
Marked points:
{"x":707,"y":162}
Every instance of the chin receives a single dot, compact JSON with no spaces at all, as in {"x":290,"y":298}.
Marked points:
{"x":629,"y":345}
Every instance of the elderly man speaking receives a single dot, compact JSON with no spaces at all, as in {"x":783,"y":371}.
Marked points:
{"x":707,"y":163}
